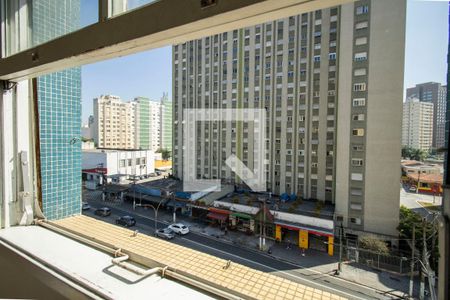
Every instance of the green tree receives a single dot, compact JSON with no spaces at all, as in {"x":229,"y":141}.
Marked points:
{"x":165,"y":153}
{"x":410,"y":219}
{"x":373,"y":244}
{"x":412,"y":153}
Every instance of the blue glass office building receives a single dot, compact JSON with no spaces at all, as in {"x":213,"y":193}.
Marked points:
{"x":59,"y":106}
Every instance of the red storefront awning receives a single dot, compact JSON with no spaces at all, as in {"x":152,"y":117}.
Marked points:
{"x":216,"y":216}
{"x":219,"y":211}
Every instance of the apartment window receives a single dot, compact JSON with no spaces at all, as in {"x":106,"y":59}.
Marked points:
{"x":356,"y":192}
{"x":359,"y":102}
{"x":332,"y":44}
{"x":356,"y":221}
{"x":363,"y":9}
{"x":360,"y":72}
{"x":357,"y":162}
{"x":361,"y":41}
{"x":356,"y":206}
{"x":361,"y":56}
{"x":316,"y":58}
{"x":358,"y":117}
{"x":332,"y":56}
{"x":358,"y":132}
{"x":357,"y":176}
{"x":317,"y":46}
{"x":359,"y":87}
{"x":361,"y":25}
{"x":130,"y":162}
{"x":122,"y":163}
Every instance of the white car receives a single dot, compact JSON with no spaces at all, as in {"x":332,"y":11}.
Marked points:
{"x":179,"y":228}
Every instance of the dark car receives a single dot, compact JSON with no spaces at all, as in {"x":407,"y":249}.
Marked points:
{"x":103,"y":212}
{"x":126,"y":221}
{"x":85,"y":206}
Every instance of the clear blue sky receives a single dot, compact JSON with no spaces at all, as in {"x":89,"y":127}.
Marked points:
{"x":149,"y":73}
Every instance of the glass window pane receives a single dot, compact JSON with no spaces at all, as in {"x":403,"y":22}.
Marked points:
{"x":118,"y":7}
{"x":43,"y":20}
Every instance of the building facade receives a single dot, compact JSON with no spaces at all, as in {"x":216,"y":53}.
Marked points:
{"x":114,"y":123}
{"x":330,"y":89}
{"x":166,"y":123}
{"x":417,"y":125}
{"x":59,"y":107}
{"x":435,"y":93}
{"x":116,"y":165}
{"x":148,"y":122}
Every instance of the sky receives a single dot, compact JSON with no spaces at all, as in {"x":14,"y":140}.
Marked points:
{"x":149,"y":73}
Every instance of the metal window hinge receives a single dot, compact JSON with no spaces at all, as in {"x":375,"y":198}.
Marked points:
{"x":7,"y":85}
{"x":207,"y":3}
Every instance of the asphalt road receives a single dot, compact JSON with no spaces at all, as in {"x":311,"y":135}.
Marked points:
{"x":247,"y":257}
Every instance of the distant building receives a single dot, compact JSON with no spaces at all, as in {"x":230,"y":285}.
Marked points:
{"x":114,"y":123}
{"x":166,"y":123}
{"x":148,"y":123}
{"x":435,"y":93}
{"x":417,"y":125}
{"x":116,"y":165}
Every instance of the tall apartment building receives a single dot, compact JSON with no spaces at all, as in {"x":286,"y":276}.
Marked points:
{"x":166,"y":122}
{"x":127,"y":125}
{"x":331,"y":82}
{"x":59,"y":107}
{"x":417,"y":125}
{"x":437,"y":94}
{"x":148,"y":120}
{"x":114,"y":123}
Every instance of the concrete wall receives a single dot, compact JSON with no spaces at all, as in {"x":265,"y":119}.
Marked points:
{"x":386,"y":65}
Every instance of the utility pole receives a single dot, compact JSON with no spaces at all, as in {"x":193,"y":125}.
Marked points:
{"x":411,"y":279}
{"x":341,"y":231}
{"x":424,"y":258}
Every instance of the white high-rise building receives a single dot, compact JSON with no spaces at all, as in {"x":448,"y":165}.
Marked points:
{"x":114,"y":123}
{"x":417,"y":126}
{"x":331,"y":82}
{"x":127,"y":125}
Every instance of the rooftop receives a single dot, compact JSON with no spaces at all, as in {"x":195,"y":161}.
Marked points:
{"x":299,"y":206}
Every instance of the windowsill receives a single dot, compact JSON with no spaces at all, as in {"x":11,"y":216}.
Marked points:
{"x":90,"y":266}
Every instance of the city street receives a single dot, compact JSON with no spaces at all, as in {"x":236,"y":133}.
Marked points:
{"x":410,"y":200}
{"x":251,"y":258}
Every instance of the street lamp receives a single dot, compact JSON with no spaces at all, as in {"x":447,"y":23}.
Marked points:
{"x":155,"y":210}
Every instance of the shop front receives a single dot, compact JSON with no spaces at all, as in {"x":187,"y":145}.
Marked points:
{"x":305,"y":237}
{"x":242,"y":222}
{"x":218,"y":216}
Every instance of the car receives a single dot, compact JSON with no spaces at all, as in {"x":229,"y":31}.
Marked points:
{"x":85,"y":206}
{"x":165,"y":233}
{"x":158,"y":173}
{"x":179,"y":228}
{"x":413,"y":188}
{"x":103,"y":212}
{"x":126,"y":221}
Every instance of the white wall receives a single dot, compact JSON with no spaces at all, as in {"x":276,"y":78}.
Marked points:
{"x":111,"y":161}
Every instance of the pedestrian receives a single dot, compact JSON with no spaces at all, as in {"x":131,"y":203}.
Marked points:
{"x":303,"y":251}
{"x":226,"y":230}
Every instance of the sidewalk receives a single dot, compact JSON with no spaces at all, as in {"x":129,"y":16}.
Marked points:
{"x":313,"y":260}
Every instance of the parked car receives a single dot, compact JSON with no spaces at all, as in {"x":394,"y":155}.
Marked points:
{"x":126,"y":221}
{"x":165,"y":233}
{"x":103,"y":212}
{"x":158,"y":173}
{"x":413,"y":188}
{"x":179,"y":228}
{"x":85,"y":206}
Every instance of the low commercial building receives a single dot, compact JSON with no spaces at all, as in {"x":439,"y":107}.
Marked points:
{"x":427,"y":178}
{"x":100,"y":165}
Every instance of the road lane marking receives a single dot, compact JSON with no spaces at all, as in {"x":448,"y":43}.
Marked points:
{"x":277,"y":270}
